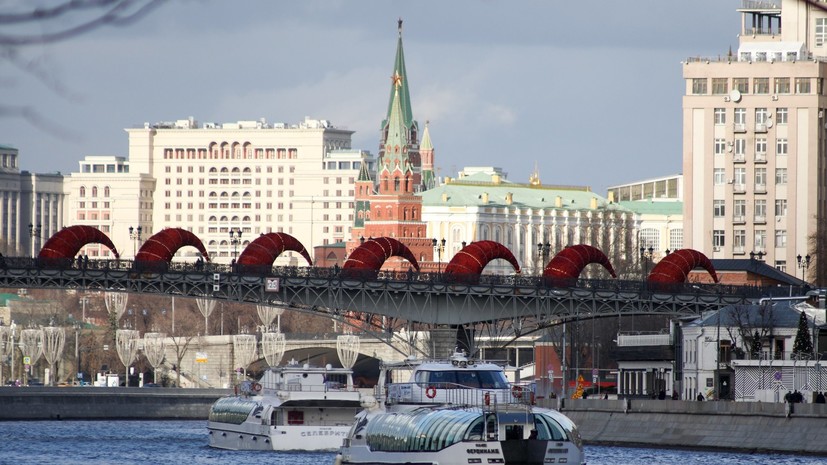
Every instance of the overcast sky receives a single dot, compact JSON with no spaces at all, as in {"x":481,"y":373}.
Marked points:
{"x":589,"y":91}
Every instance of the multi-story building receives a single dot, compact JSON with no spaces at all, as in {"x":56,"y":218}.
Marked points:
{"x":658,"y":204}
{"x":31,"y":206}
{"x":755,"y":127}
{"x":226,"y":183}
{"x":533,"y":220}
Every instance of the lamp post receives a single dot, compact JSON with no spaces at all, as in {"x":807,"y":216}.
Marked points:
{"x":646,"y":254}
{"x":542,"y":254}
{"x":83,"y":301}
{"x":803,"y":264}
{"x":235,"y":239}
{"x":34,"y":233}
{"x":439,"y":247}
{"x":135,"y":237}
{"x":759,"y":255}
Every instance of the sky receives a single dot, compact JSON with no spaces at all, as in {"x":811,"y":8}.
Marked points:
{"x":589,"y":92}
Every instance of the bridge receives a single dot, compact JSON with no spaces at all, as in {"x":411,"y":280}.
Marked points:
{"x":427,"y":298}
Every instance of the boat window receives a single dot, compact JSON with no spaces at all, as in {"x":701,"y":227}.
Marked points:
{"x":295,"y":417}
{"x":475,"y":432}
{"x":423,"y":430}
{"x":231,"y":410}
{"x":493,"y":380}
{"x":488,"y":379}
{"x":468,"y":379}
{"x":555,"y":431}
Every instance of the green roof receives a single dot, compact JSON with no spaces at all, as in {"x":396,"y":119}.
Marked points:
{"x":470,"y":190}
{"x":5,"y":298}
{"x":648,"y":207}
{"x":404,"y":92}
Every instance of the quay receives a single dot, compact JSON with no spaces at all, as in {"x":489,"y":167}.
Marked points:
{"x":739,"y":426}
{"x":102,"y":403}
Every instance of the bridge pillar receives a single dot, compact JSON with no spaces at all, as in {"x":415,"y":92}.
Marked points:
{"x":443,"y":342}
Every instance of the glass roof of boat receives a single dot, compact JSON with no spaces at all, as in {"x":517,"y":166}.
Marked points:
{"x":420,"y":430}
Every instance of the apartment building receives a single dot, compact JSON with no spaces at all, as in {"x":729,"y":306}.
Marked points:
{"x":226,"y":183}
{"x":754,"y":130}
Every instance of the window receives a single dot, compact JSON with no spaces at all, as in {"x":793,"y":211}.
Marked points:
{"x":762,"y":85}
{"x":781,"y":175}
{"x":760,"y":240}
{"x":739,"y":240}
{"x":720,"y":116}
{"x":650,"y":237}
{"x":781,"y":115}
{"x":802,"y":85}
{"x":781,"y":146}
{"x":761,"y":115}
{"x":780,"y":238}
{"x":718,"y":238}
{"x":780,"y":207}
{"x":699,"y":86}
{"x":782,"y":85}
{"x":740,"y":176}
{"x":741,"y":85}
{"x":740,"y":116}
{"x":740,"y":146}
{"x":821,"y":31}
{"x":739,"y":210}
{"x":720,"y":146}
{"x":781,"y":265}
{"x":718,"y":208}
{"x":719,"y":176}
{"x":720,"y":86}
{"x":676,"y":239}
{"x":761,"y":178}
{"x":760,"y":146}
{"x":760,"y":210}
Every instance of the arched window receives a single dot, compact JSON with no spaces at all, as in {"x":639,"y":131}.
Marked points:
{"x":94,"y":191}
{"x":106,"y":191}
{"x":82,"y":191}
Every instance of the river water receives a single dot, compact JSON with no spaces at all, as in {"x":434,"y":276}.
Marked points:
{"x":185,"y":443}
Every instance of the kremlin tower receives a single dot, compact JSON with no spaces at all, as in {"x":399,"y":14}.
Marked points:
{"x":389,"y":206}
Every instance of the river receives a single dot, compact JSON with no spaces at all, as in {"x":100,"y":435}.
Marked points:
{"x":171,"y":442}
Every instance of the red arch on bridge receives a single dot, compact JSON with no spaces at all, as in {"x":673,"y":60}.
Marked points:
{"x":162,"y":246}
{"x":266,"y":249}
{"x":67,"y":242}
{"x":468,"y":263}
{"x":567,"y":265}
{"x":368,"y":258}
{"x":675,"y":267}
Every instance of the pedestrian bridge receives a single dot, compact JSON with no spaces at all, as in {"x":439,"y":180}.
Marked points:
{"x":427,"y":298}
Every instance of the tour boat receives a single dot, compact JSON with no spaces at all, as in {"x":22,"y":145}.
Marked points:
{"x":293,"y":407}
{"x":456,"y":411}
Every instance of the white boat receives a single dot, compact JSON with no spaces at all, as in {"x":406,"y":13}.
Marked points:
{"x":293,"y":407}
{"x":456,"y":411}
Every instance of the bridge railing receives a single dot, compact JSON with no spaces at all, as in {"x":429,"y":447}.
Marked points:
{"x":413,"y":278}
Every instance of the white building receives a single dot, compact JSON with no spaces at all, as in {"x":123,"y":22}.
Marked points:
{"x":754,"y":138}
{"x":31,"y":206}
{"x":481,"y":204}
{"x":212,"y":179}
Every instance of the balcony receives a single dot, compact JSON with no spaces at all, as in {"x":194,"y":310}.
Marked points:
{"x":760,"y":157}
{"x":760,"y":219}
{"x":739,"y":188}
{"x":760,"y":188}
{"x":760,"y":127}
{"x":738,"y":250}
{"x":738,"y":219}
{"x":739,"y":158}
{"x":739,"y":128}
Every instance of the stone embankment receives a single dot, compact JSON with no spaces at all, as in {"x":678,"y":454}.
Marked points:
{"x":98,"y":403}
{"x":742,"y":426}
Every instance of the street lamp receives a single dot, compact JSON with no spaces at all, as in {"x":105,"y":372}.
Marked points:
{"x":439,"y":247}
{"x":803,"y":264}
{"x":646,"y":254}
{"x":760,"y":255}
{"x":135,"y":236}
{"x":34,"y":233}
{"x":83,"y":301}
{"x":542,"y":254}
{"x":235,"y":239}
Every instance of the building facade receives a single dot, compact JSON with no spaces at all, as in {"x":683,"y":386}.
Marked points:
{"x":754,"y":130}
{"x":31,"y":206}
{"x":533,"y":220}
{"x":226,"y":183}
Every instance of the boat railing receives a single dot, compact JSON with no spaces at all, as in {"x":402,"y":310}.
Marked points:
{"x":299,"y":387}
{"x":457,"y":394}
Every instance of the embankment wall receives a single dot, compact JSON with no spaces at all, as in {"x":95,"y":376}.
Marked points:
{"x":91,"y":403}
{"x":744,"y":426}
